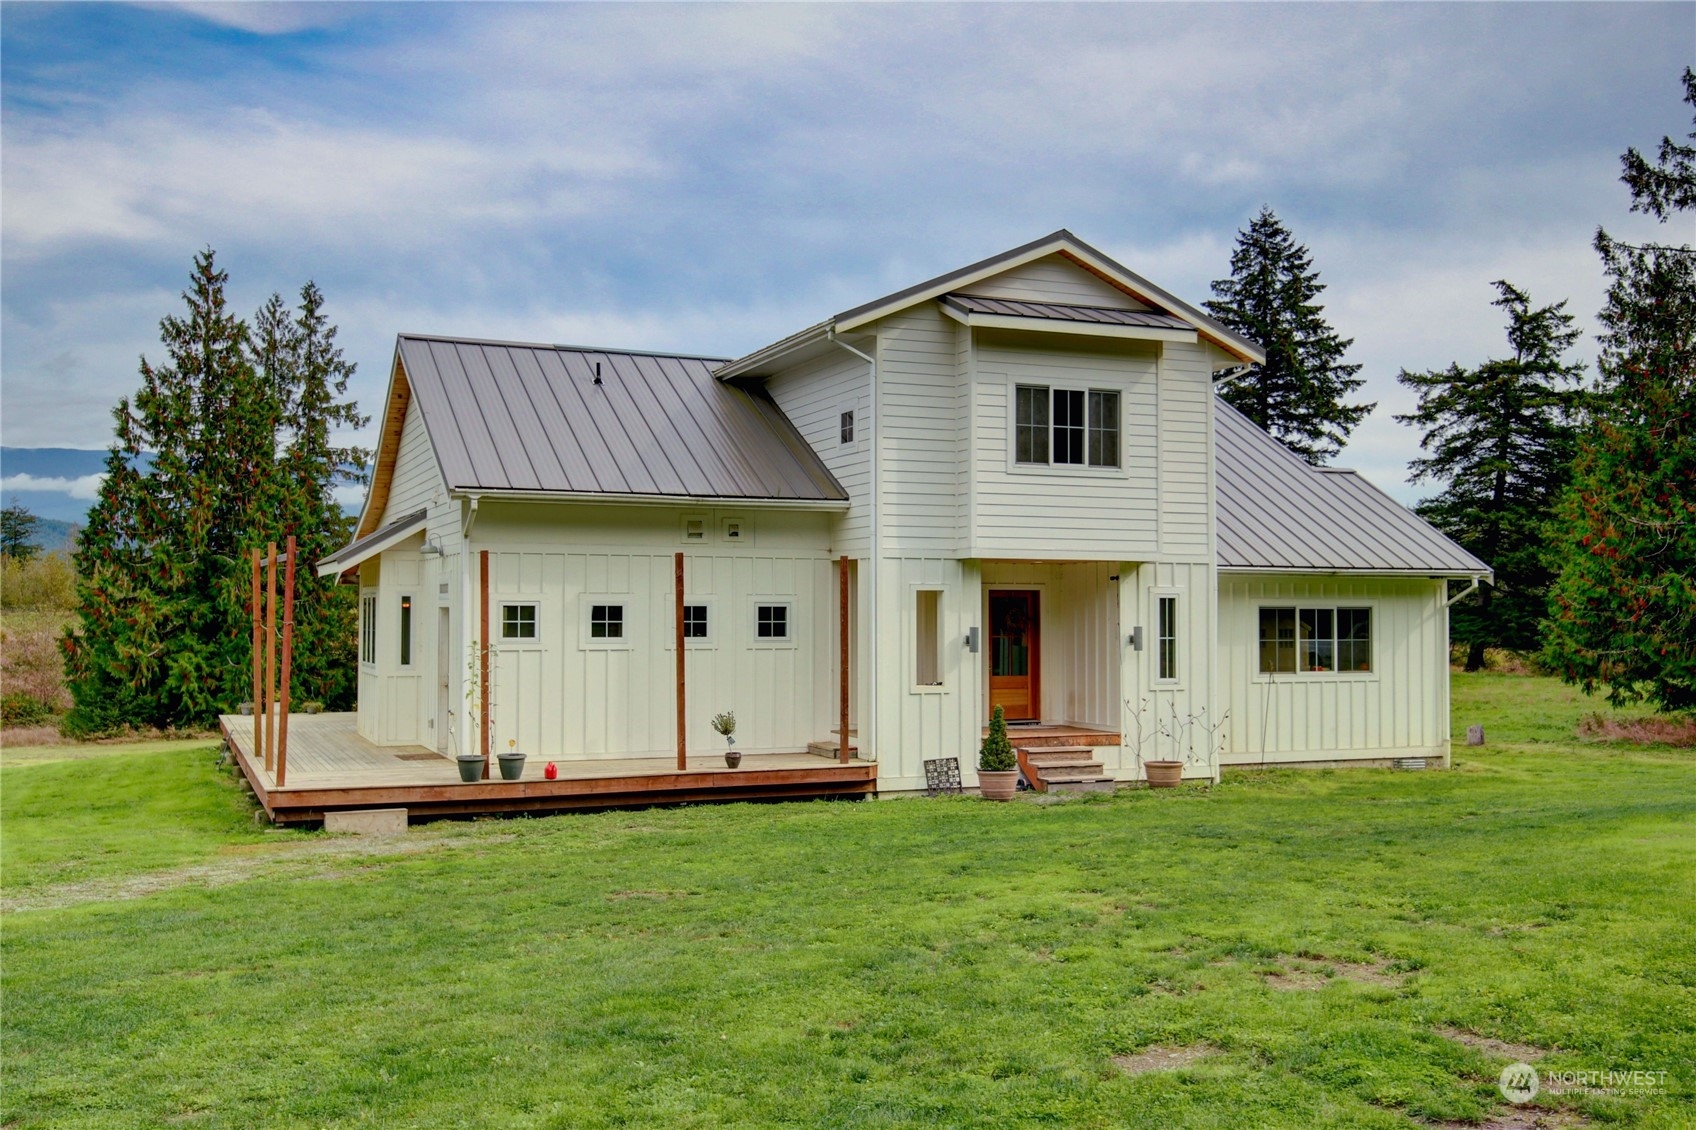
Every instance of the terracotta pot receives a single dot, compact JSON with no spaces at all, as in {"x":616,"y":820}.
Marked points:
{"x":998,"y":785}
{"x":1164,"y":774}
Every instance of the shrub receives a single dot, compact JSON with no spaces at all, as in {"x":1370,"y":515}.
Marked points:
{"x":997,"y":753}
{"x":45,"y":583}
{"x":31,"y":664}
{"x":18,"y":709}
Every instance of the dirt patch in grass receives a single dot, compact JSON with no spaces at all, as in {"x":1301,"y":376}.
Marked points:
{"x":1300,"y":973}
{"x":1163,"y":1059}
{"x":1678,"y":731}
{"x":1502,"y":1049}
{"x":1508,"y":1118}
{"x":297,"y":861}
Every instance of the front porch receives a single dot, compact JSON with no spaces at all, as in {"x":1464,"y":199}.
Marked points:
{"x":331,"y":768}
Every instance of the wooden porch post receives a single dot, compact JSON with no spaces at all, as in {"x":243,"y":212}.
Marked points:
{"x":483,"y":665}
{"x":258,"y":666}
{"x":288,"y":667}
{"x":842,"y":658}
{"x":682,"y":716}
{"x":270,"y":650}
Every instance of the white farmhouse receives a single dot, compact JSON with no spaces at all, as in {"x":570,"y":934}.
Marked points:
{"x":1012,"y":485}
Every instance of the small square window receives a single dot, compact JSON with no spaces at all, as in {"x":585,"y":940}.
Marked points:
{"x":735,"y":530}
{"x":848,"y":426}
{"x":694,"y":621}
{"x":518,"y":621}
{"x":606,"y":621}
{"x":772,"y":622}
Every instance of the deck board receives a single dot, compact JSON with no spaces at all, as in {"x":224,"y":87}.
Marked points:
{"x":330,"y":766}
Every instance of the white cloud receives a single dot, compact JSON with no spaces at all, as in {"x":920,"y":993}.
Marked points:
{"x":85,"y":487}
{"x":263,"y":17}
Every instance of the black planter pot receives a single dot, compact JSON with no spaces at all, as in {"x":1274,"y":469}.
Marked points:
{"x":512,"y":765}
{"x":470,"y":767}
{"x":733,"y":757}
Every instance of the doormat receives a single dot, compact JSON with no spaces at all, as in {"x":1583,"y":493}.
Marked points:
{"x":420,"y":757}
{"x":1025,"y":722}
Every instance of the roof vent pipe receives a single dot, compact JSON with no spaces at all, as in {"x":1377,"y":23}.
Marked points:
{"x":597,"y":372}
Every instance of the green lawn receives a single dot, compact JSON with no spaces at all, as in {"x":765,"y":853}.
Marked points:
{"x":926,"y":963}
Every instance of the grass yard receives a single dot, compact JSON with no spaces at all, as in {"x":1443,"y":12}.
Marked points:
{"x":1288,"y":950}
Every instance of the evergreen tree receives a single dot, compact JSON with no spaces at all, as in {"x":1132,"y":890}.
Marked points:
{"x":162,"y":568}
{"x":17,"y":532}
{"x":1271,"y":298}
{"x":1623,"y":613}
{"x":1500,"y":440}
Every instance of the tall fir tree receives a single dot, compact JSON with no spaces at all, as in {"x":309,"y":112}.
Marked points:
{"x":1623,"y":613}
{"x":1298,"y":395}
{"x":17,"y":532}
{"x":1500,"y":441}
{"x":162,"y":567}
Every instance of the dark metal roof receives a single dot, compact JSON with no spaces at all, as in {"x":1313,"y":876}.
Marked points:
{"x":1062,"y":312}
{"x":371,"y":544}
{"x":1278,"y":512}
{"x":508,"y":416}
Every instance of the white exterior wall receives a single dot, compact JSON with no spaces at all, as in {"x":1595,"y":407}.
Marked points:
{"x":1168,"y":719}
{"x":814,"y":395}
{"x":1399,"y":709}
{"x":394,"y":698}
{"x":566,"y":696}
{"x":1054,"y":278}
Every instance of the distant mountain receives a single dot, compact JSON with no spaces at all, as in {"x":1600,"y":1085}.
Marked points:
{"x":54,"y":536}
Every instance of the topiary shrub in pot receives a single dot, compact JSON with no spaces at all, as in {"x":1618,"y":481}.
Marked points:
{"x":998,"y":768}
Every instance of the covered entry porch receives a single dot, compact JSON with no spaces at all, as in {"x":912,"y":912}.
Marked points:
{"x":1052,"y":648}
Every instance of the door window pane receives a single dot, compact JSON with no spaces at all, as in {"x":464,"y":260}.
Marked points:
{"x":1010,"y":635}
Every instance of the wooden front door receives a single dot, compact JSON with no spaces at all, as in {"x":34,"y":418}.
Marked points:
{"x":1014,"y":654}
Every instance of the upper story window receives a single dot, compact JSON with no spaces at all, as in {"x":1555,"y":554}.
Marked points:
{"x":847,"y":423}
{"x":1066,"y":426}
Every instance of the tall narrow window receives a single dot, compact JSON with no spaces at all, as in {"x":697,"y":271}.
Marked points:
{"x":1168,"y":637}
{"x":928,"y":658}
{"x":1068,"y":425}
{"x":406,"y":631}
{"x":368,"y":629}
{"x":1031,"y":441}
{"x":847,"y":423}
{"x":1277,"y":639}
{"x":1103,"y":429}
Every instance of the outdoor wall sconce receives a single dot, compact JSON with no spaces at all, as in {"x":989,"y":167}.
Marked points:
{"x":972,"y":640}
{"x":1135,"y":639}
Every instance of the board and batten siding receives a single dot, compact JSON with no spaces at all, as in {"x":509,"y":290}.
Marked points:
{"x":1169,"y":719}
{"x":1399,"y":709}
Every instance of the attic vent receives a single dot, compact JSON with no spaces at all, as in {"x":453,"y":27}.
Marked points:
{"x":694,"y":529}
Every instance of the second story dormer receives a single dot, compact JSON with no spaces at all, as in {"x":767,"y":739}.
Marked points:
{"x":1043,"y":404}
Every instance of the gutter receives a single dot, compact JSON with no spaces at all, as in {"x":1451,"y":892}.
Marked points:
{"x":599,"y":497}
{"x":869,"y":722}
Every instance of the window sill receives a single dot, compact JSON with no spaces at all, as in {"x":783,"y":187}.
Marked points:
{"x":1052,"y":470}
{"x":1317,"y":677}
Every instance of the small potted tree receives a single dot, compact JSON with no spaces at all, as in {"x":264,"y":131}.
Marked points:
{"x":998,"y":768}
{"x":725,"y":724}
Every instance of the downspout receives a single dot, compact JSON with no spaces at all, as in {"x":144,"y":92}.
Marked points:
{"x":1464,"y":593}
{"x":875,"y":552}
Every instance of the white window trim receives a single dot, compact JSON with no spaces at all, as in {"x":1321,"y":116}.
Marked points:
{"x":859,"y":426}
{"x":586,"y":608}
{"x":1176,"y":682}
{"x":942,"y":637}
{"x":500,"y":601}
{"x":1300,"y":603}
{"x":708,"y":642}
{"x":1015,"y":467}
{"x":415,"y":607}
{"x":371,"y":598}
{"x":767,"y":643}
{"x":706,"y":520}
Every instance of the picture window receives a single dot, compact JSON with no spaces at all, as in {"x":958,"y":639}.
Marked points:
{"x":1066,"y":426}
{"x":1315,"y":640}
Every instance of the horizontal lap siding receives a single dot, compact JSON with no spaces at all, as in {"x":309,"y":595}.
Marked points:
{"x":1400,"y":707}
{"x":1051,"y":513}
{"x":1185,"y":451}
{"x":813,"y":395}
{"x":918,"y":413}
{"x":1055,"y":279}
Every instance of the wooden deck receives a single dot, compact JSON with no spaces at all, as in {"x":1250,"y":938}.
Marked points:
{"x":331,"y":768}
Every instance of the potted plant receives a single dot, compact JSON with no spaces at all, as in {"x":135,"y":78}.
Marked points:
{"x":998,"y":768}
{"x":726,"y":724}
{"x":470,"y":767}
{"x":512,"y":761}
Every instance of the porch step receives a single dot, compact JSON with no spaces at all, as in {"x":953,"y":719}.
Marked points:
{"x":829,"y":749}
{"x":1068,"y":769}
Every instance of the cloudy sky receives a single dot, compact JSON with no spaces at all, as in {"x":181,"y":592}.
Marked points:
{"x":706,"y":178}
